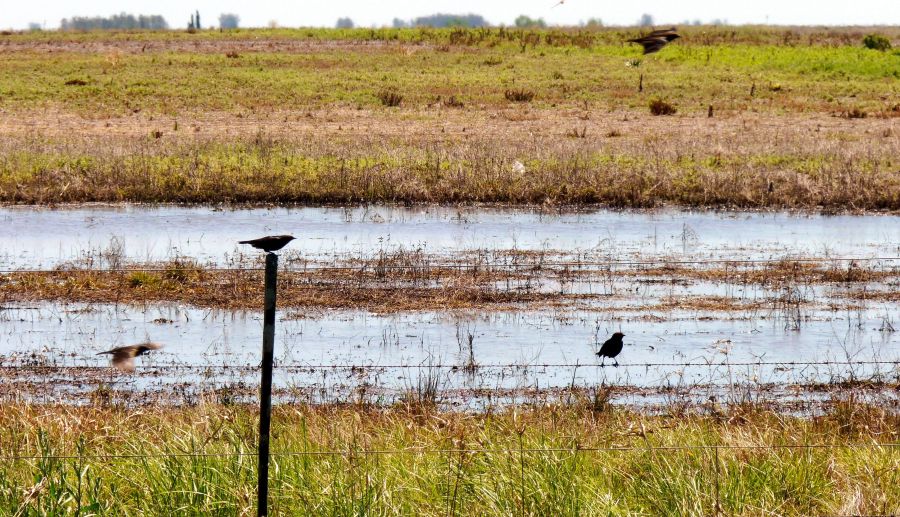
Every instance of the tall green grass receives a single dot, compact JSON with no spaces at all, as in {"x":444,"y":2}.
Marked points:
{"x":399,"y":461}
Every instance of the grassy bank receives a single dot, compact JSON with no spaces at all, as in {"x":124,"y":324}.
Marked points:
{"x":838,"y":172}
{"x":449,"y":463}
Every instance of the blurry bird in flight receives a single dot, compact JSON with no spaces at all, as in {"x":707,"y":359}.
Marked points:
{"x":561,"y":2}
{"x":123,"y":356}
{"x":270,"y":243}
{"x":611,"y":348}
{"x":656,"y":40}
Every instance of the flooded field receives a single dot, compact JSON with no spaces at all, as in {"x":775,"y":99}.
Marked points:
{"x":142,"y":233}
{"x":472,"y":305}
{"x":50,"y":351}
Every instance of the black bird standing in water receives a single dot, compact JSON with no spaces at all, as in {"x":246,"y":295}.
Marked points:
{"x":611,"y":348}
{"x":123,"y":356}
{"x":656,"y":40}
{"x":270,"y":243}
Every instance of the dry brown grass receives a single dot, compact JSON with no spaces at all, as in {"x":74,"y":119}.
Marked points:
{"x":244,"y":290}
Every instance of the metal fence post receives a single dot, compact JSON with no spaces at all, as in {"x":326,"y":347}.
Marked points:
{"x":265,"y":389}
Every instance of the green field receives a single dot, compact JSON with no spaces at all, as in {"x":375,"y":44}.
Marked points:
{"x":296,"y":70}
{"x":770,"y":118}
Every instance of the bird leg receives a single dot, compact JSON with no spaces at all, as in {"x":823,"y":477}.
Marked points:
{"x":617,"y":363}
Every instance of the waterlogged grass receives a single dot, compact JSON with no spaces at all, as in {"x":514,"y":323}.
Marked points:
{"x":398,"y":461}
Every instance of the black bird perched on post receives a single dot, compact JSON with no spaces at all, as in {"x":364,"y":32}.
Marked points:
{"x":656,"y":40}
{"x":123,"y":356}
{"x":611,"y":348}
{"x":270,"y":243}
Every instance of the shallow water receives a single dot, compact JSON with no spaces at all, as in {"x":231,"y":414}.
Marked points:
{"x":513,"y":350}
{"x":523,"y":343}
{"x":44,"y":238}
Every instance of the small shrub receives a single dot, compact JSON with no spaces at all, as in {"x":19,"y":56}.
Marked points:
{"x":182,"y":271}
{"x":575,"y":133}
{"x":142,"y":278}
{"x":600,"y":399}
{"x":233,"y":54}
{"x":877,"y":42}
{"x":157,"y":134}
{"x":660,"y":107}
{"x":890,"y":112}
{"x":76,"y":82}
{"x":854,"y":113}
{"x":454,"y":102}
{"x":519,"y":95}
{"x":390,"y":98}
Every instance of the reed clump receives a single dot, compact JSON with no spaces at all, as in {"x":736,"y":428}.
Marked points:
{"x":519,"y":95}
{"x":659,"y":107}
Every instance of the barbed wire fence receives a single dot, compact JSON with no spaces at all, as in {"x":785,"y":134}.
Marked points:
{"x":587,"y":265}
{"x":452,"y":366}
{"x":368,"y":263}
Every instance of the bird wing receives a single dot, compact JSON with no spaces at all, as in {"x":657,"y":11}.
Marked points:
{"x":664,"y":32}
{"x":652,"y":45}
{"x":123,"y":359}
{"x":151,"y":346}
{"x":604,"y":350}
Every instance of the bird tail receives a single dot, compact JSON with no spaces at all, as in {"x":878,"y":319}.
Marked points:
{"x":101,"y":353}
{"x":243,"y":242}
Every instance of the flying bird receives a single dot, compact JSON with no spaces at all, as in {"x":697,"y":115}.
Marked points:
{"x":656,"y":40}
{"x":561,"y":2}
{"x":611,"y":348}
{"x":123,"y":356}
{"x":270,"y":243}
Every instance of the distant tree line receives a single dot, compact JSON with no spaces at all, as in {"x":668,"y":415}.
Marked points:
{"x":527,"y":22}
{"x":444,"y":20}
{"x":229,"y":21}
{"x":116,"y":21}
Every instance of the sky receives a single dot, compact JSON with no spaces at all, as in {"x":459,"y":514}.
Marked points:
{"x":18,"y":14}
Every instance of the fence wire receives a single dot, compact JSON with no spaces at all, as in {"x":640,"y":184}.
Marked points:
{"x":466,"y":265}
{"x":439,"y":366}
{"x":424,"y":450}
